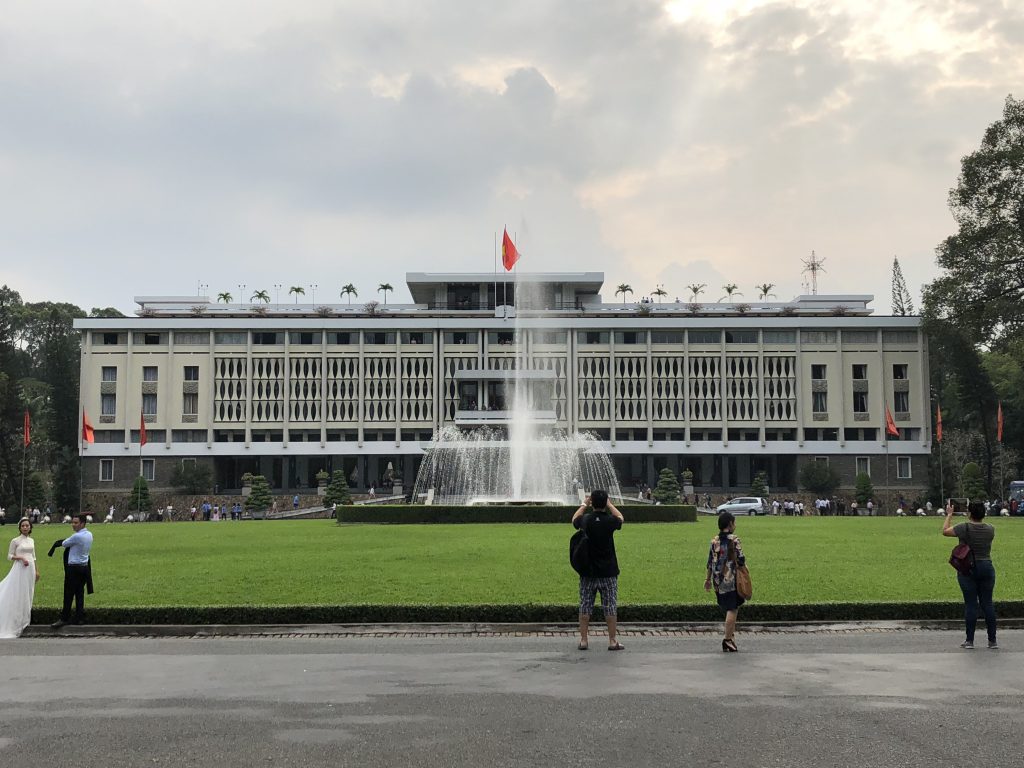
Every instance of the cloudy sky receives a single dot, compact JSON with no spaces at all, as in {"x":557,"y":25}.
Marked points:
{"x":150,"y":146}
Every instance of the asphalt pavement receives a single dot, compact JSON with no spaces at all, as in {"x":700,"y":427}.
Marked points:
{"x":849,"y":697}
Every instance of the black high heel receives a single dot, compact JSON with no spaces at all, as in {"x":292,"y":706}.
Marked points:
{"x":729,"y":646}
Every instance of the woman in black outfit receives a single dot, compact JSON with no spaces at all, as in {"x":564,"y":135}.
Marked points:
{"x":978,"y":585}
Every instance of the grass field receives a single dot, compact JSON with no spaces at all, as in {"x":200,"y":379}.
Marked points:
{"x":316,"y":562}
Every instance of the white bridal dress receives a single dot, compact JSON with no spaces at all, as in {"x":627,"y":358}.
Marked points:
{"x":18,"y":589}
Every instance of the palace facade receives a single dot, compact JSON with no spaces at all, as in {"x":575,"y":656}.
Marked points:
{"x":724,"y":390}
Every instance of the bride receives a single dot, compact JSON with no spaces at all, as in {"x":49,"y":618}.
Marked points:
{"x":17,"y":590}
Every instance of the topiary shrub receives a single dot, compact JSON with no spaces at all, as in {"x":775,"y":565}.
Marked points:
{"x":337,"y":490}
{"x":259,"y":498}
{"x":667,"y":489}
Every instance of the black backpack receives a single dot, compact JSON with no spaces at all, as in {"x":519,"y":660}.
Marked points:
{"x":579,"y":552}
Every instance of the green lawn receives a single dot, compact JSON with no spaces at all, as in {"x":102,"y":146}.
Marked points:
{"x":316,"y":562}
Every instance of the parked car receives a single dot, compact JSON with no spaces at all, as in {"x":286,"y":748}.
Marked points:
{"x":745,"y":505}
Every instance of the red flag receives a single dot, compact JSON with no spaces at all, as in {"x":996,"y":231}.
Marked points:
{"x":999,"y":423}
{"x":28,"y":429}
{"x":142,"y":429}
{"x":890,"y":425}
{"x":938,"y":423}
{"x":509,"y":254}
{"x":88,"y":435}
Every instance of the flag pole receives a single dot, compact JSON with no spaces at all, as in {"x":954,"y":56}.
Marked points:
{"x":81,"y":460}
{"x":24,"y":451}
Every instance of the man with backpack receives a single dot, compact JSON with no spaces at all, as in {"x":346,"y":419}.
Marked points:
{"x":592,"y":554}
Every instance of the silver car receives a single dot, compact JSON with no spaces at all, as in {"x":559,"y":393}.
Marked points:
{"x":745,"y":505}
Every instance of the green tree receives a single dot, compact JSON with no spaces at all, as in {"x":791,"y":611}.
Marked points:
{"x":260,"y":295}
{"x":696,"y":289}
{"x":760,"y":485}
{"x":65,"y":475}
{"x":348,"y":290}
{"x":139,"y":497}
{"x":192,"y":477}
{"x":225,"y":297}
{"x":337,"y":489}
{"x":972,"y":482}
{"x":764,"y":290}
{"x":105,"y":312}
{"x":667,"y":489}
{"x":623,"y":288}
{"x":385,"y":287}
{"x":902,"y":304}
{"x":731,"y":290}
{"x":819,"y":477}
{"x":36,"y":491}
{"x":863,"y":489}
{"x":660,"y":293}
{"x":259,"y":498}
{"x":298,"y":290}
{"x":982,"y":286}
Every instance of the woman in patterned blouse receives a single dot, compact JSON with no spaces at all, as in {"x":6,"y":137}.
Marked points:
{"x":722,"y":576}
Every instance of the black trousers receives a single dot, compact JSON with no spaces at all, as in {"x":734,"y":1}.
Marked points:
{"x":75,"y":578}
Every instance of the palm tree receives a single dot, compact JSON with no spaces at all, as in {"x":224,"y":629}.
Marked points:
{"x":350,"y":291}
{"x":623,"y":288}
{"x":225,"y":297}
{"x":297,"y":290}
{"x":659,"y":292}
{"x":765,"y":290}
{"x":730,"y":291}
{"x":263,"y":296}
{"x":696,"y":289}
{"x":385,"y":287}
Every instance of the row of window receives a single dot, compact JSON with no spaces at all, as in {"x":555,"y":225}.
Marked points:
{"x":150,"y":373}
{"x":900,"y":371}
{"x":696,"y":336}
{"x":900,"y":402}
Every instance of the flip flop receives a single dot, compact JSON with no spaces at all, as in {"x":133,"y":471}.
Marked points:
{"x":617,"y":647}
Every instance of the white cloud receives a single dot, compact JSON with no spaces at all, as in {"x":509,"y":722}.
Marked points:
{"x":149,"y":145}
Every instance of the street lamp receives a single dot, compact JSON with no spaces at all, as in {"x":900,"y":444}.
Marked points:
{"x":312,"y":294}
{"x":241,"y":293}
{"x":277,"y":289}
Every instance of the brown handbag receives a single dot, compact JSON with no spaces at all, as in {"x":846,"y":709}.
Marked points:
{"x":743,"y":586}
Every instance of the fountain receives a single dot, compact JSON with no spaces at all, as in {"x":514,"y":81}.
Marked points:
{"x":531,"y":463}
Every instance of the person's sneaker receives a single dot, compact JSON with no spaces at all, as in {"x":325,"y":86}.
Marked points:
{"x":993,"y":645}
{"x":967,"y":645}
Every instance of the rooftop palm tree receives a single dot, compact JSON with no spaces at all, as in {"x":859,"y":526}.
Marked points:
{"x":225,"y":297}
{"x":350,"y":291}
{"x":261,"y":295}
{"x":765,"y":290}
{"x":730,"y":291}
{"x":385,"y":287}
{"x":297,"y":290}
{"x":623,"y":288}
{"x":696,"y":289}
{"x":659,"y":292}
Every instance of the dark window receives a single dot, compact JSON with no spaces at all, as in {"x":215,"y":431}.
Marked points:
{"x":108,"y":373}
{"x":860,"y":402}
{"x":151,"y":338}
{"x":901,"y":402}
{"x":592,"y":337}
{"x":899,"y":372}
{"x":191,"y":373}
{"x":460,"y":337}
{"x":705,"y":337}
{"x":631,"y":337}
{"x":818,"y":371}
{"x":778,"y":337}
{"x":110,"y":338}
{"x":149,"y":405}
{"x":150,"y":373}
{"x":342,"y":338}
{"x":190,"y":404}
{"x":860,"y":371}
{"x":305,"y":338}
{"x":378,"y":337}
{"x":819,"y":402}
{"x":265,"y":338}
{"x":417,"y":337}
{"x":741,"y":337}
{"x":666,"y":337}
{"x":501,"y":337}
{"x":230,"y":337}
{"x":108,"y":405}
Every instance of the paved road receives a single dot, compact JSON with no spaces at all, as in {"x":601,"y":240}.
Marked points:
{"x":861,"y":699}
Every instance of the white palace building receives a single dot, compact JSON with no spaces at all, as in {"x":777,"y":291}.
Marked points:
{"x":285,"y":390}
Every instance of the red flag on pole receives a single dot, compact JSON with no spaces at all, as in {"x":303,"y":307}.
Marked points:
{"x":142,"y":429}
{"x":938,"y":423}
{"x":28,"y":428}
{"x":890,"y":425}
{"x":88,"y":435}
{"x":999,"y":423}
{"x":509,"y":254}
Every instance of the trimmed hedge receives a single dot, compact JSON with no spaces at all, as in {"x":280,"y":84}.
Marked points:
{"x":532,"y":614}
{"x":419,"y":513}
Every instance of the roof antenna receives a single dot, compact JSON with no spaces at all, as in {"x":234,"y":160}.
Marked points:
{"x":814,"y":265}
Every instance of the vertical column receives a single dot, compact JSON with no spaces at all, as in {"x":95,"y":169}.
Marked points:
{"x":612,"y":383}
{"x":842,"y":387}
{"x":129,"y":377}
{"x":287,"y":420}
{"x":361,"y":373}
{"x":399,"y":381}
{"x":438,"y":382}
{"x":723,"y":395}
{"x":686,"y":387}
{"x":174,"y":388}
{"x":799,"y":388}
{"x":650,"y":392}
{"x":211,"y":390}
{"x":571,"y":383}
{"x":249,"y":389}
{"x":323,"y":389}
{"x":760,"y":386}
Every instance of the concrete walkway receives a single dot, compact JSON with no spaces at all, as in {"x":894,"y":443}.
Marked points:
{"x":859,"y":696}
